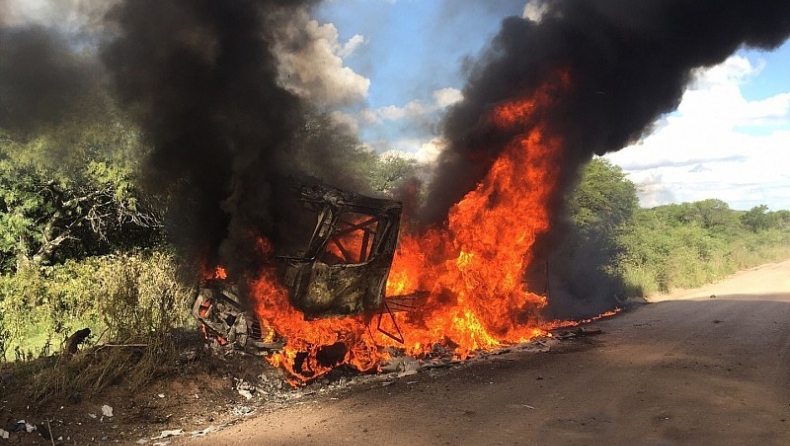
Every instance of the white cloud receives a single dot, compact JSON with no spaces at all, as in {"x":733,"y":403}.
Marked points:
{"x":425,"y":149}
{"x":424,"y":152}
{"x":349,"y":47}
{"x":368,"y":117}
{"x":717,"y":145}
{"x":66,"y":15}
{"x":311,"y":62}
{"x":412,"y":109}
{"x":447,"y":97}
{"x":442,"y":99}
{"x":535,"y":10}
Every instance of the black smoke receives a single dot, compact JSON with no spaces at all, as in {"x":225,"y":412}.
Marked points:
{"x":629,"y":62}
{"x":43,"y":80}
{"x":201,"y":78}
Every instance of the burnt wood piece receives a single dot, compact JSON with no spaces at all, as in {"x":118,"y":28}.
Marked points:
{"x":73,"y":342}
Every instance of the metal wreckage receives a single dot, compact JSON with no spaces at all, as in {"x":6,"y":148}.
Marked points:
{"x":343,"y":271}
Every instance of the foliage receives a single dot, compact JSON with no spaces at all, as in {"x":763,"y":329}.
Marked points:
{"x":132,"y":298}
{"x":676,"y":245}
{"x":759,"y":219}
{"x":391,"y":171}
{"x":690,"y":244}
{"x":86,"y":205}
{"x":135,"y":301}
{"x":142,"y":297}
{"x":604,"y":198}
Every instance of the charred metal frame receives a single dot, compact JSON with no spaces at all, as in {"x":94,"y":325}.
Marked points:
{"x":330,"y":278}
{"x":323,"y":284}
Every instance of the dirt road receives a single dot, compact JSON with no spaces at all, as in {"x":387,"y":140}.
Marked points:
{"x":688,"y":370}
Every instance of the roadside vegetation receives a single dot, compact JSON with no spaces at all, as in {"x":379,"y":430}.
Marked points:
{"x":673,"y":246}
{"x":83,"y":246}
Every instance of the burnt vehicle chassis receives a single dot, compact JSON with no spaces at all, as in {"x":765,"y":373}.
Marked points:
{"x":342,"y":272}
{"x":345,"y":267}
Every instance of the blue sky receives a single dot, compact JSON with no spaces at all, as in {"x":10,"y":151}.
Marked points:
{"x":729,"y":139}
{"x":774,"y":77}
{"x":413,"y":47}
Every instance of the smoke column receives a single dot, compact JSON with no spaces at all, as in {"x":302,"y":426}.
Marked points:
{"x":48,"y":72}
{"x":628,"y":61}
{"x":201,"y":78}
{"x":42,"y":80}
{"x":209,"y":86}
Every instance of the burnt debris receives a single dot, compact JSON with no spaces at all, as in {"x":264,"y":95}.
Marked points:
{"x":227,"y":326}
{"x":342,"y":271}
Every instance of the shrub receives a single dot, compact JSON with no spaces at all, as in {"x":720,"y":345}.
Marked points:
{"x":134,"y":298}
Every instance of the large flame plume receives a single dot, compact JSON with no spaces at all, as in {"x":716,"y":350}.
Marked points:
{"x":472,"y":268}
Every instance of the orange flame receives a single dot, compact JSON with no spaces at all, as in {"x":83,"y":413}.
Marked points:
{"x":220,"y":273}
{"x":472,"y":268}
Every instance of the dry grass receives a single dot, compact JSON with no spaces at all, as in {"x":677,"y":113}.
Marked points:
{"x":136,"y":306}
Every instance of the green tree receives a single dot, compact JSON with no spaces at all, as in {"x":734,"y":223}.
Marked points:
{"x":604,"y":198}
{"x":46,"y":220}
{"x":390,"y":171}
{"x":782,"y":220}
{"x":70,"y":193}
{"x":715,"y":214}
{"x":757,"y":218}
{"x":583,"y":259}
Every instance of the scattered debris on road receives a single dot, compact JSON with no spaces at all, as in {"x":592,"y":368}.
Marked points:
{"x":579,"y":332}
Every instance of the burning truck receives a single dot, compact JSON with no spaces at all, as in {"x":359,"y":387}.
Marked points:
{"x":342,"y":272}
{"x":340,"y":299}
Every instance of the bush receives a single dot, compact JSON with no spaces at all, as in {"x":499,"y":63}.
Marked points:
{"x":133,"y":303}
{"x":674,"y":246}
{"x":662,"y":252}
{"x":132,"y":298}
